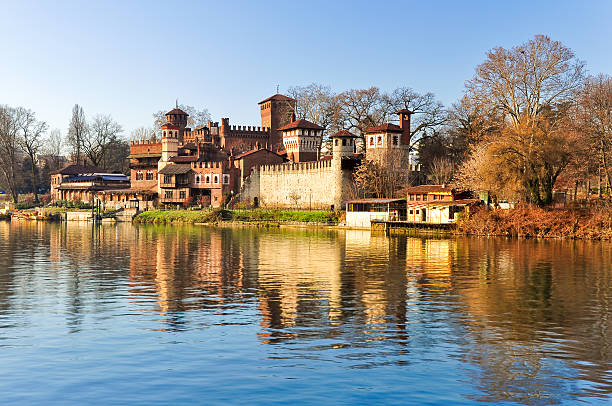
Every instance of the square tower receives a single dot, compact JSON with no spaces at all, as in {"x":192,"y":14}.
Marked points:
{"x":276,"y":112}
{"x":302,"y":140}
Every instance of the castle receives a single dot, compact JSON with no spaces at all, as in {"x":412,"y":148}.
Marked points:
{"x":277,"y":164}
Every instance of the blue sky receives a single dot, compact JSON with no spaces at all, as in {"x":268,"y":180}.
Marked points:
{"x":132,"y":58}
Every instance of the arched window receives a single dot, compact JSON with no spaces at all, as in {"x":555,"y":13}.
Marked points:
{"x":197,"y":179}
{"x":207,"y":179}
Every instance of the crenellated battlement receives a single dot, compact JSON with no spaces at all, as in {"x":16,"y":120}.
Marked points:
{"x":247,"y":131}
{"x":144,"y":142}
{"x":295,"y":167}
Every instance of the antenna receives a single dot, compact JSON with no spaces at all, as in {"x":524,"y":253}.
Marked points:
{"x":276,"y":89}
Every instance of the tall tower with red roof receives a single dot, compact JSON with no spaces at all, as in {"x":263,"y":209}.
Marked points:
{"x":277,"y":111}
{"x":178,"y":119}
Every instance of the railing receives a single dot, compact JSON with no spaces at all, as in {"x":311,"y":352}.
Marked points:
{"x":172,"y":200}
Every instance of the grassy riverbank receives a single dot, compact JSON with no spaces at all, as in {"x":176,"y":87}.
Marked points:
{"x":594,"y":223}
{"x":256,"y":216}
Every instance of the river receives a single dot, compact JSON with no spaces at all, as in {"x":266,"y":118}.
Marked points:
{"x":162,"y":315}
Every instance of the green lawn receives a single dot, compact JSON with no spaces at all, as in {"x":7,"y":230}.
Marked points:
{"x":247,"y":216}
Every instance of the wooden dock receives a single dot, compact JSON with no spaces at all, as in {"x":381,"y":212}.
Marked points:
{"x":388,"y":225}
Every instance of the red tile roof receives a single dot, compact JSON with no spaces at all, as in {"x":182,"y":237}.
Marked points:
{"x":277,"y":96}
{"x":382,"y":200}
{"x":343,"y":133}
{"x":74,"y":169}
{"x":175,"y":169}
{"x":384,"y":128}
{"x":184,"y":158}
{"x":428,"y":189}
{"x":301,"y":124}
{"x":253,"y":151}
{"x":458,"y":202}
{"x":177,"y":111}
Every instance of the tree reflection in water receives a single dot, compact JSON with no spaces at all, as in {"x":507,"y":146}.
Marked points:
{"x":527,"y":320}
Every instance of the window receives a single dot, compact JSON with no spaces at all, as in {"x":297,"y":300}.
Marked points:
{"x":197,"y":179}
{"x":343,"y":142}
{"x":167,"y":179}
{"x":395,"y":140}
{"x":411,"y":196}
{"x":435,"y":197}
{"x":182,"y":194}
{"x":417,"y":212}
{"x":418,"y":197}
{"x":424,"y":196}
{"x":139,"y":175}
{"x":410,"y":211}
{"x":371,"y":140}
{"x":207,"y":178}
{"x":168,"y":194}
{"x":216,"y":179}
{"x":149,"y":175}
{"x":379,"y":140}
{"x":226,"y":179}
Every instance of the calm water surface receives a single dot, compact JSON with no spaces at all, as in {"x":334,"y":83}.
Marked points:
{"x":195,"y":315}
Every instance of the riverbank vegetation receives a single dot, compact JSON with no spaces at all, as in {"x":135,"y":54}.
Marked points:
{"x":592,"y":222}
{"x":254,"y":216}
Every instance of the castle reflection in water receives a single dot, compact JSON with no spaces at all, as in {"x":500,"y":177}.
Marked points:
{"x":507,"y":300}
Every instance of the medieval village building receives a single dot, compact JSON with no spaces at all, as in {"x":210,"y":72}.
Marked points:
{"x":277,"y":164}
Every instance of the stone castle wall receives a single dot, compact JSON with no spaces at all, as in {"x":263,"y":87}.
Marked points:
{"x":303,"y":185}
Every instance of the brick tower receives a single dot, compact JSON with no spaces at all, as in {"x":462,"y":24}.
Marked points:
{"x":276,"y":112}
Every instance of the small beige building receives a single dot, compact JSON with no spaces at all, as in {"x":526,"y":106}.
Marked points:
{"x":360,"y":213}
{"x":436,"y":204}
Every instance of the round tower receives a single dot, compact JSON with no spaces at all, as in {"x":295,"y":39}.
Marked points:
{"x":169,"y":141}
{"x":343,"y":144}
{"x":343,"y":163}
{"x":177,"y":118}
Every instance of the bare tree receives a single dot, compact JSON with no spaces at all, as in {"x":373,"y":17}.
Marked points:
{"x":102,"y":133}
{"x":594,"y":119}
{"x":522,"y":82}
{"x":529,"y":88}
{"x":428,"y":113}
{"x":317,"y":104}
{"x":30,"y":140}
{"x":441,"y":171}
{"x":77,"y":131}
{"x":383,"y":173}
{"x":10,"y":119}
{"x":53,"y":147}
{"x":142,"y":133}
{"x":361,"y":109}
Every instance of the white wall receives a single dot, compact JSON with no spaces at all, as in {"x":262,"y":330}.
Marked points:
{"x":362,"y":219}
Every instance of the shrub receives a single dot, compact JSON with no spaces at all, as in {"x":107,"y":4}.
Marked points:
{"x":45,"y":199}
{"x":593,"y":222}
